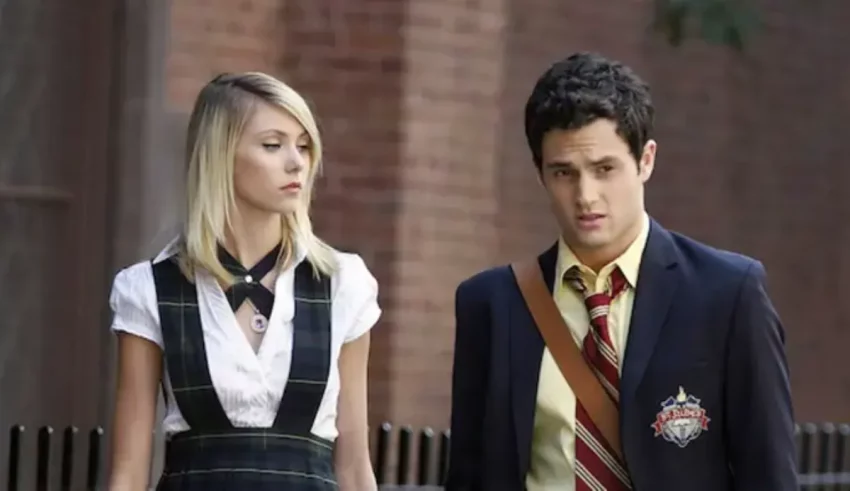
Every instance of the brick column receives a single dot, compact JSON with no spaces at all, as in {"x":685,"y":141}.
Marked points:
{"x":447,"y":225}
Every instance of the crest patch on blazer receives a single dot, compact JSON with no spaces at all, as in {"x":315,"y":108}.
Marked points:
{"x":681,"y":419}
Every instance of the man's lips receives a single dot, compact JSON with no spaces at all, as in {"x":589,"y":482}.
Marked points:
{"x":589,"y":217}
{"x":590,"y":220}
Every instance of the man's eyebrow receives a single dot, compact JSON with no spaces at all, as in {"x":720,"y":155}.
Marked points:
{"x":559,"y":164}
{"x":605,"y":160}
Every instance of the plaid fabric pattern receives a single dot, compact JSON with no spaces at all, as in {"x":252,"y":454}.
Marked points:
{"x":214,"y":455}
{"x":247,"y":459}
{"x":185,"y":355}
{"x":311,"y":351}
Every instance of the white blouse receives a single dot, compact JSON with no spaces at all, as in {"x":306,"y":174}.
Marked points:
{"x":250,"y":384}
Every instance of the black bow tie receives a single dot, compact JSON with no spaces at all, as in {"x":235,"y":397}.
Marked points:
{"x":248,"y":284}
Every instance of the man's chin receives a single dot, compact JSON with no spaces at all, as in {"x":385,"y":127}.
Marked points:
{"x":590,"y":241}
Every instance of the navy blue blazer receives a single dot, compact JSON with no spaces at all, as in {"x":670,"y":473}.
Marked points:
{"x":701,"y":321}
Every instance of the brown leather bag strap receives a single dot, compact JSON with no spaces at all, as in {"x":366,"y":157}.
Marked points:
{"x":556,"y":334}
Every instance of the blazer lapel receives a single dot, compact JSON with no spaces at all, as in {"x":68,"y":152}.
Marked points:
{"x":526,"y":353}
{"x":656,"y":287}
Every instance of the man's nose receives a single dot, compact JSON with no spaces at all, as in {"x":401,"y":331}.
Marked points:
{"x":587,"y":191}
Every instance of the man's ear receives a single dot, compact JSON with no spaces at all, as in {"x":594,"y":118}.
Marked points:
{"x":647,"y":160}
{"x":541,"y":179}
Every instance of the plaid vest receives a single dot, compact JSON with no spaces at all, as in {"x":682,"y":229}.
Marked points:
{"x":214,"y":455}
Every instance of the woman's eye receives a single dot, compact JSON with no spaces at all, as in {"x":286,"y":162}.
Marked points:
{"x":271,"y":146}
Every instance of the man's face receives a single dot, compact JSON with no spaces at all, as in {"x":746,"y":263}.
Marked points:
{"x":595,"y":187}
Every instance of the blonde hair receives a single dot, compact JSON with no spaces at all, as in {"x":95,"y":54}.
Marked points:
{"x":218,"y":119}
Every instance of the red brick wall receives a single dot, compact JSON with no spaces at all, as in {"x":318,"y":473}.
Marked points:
{"x":427,"y":174}
{"x":347,"y":58}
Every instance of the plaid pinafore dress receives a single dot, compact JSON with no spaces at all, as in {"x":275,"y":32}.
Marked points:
{"x":214,"y":455}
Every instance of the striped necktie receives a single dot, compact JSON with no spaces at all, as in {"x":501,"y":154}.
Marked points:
{"x":597,"y":466}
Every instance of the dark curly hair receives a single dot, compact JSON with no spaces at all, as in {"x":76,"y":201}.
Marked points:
{"x":583,"y":88}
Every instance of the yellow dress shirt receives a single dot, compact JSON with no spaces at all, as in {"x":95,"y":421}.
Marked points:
{"x":553,"y":455}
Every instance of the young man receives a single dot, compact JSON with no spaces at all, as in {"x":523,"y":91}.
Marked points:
{"x":684,"y":340}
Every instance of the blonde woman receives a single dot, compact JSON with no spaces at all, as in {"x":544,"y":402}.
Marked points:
{"x":256,"y":329}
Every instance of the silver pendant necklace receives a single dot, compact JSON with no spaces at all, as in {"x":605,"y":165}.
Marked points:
{"x":259,"y":324}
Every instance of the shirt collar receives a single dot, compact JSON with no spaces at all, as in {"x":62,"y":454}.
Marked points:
{"x":169,"y":250}
{"x":628,"y":262}
{"x":173,"y":247}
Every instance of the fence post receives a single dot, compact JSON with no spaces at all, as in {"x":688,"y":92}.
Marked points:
{"x":808,"y":433}
{"x":93,"y":474}
{"x":426,"y":439}
{"x":68,"y":457}
{"x":445,"y":444}
{"x":826,"y":435}
{"x":42,"y":473}
{"x":15,"y":442}
{"x":383,"y":446}
{"x":842,"y":449}
{"x":404,"y":443}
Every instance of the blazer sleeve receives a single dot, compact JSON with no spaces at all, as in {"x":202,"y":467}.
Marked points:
{"x":759,"y":412}
{"x":469,"y":387}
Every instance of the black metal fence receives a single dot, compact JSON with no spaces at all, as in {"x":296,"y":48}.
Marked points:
{"x":421,"y":459}
{"x":403,"y":458}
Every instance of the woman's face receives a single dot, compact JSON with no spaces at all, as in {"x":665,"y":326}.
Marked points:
{"x":272,"y":161}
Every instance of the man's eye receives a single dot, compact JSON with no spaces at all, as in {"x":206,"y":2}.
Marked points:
{"x":563,"y":173}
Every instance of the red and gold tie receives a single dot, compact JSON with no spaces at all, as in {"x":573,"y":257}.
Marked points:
{"x":597,"y":466}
